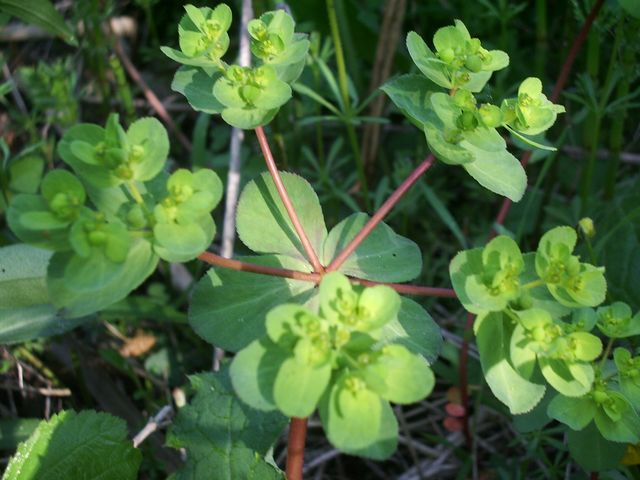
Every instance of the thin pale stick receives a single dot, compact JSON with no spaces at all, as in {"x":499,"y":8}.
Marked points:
{"x":284,"y":196}
{"x":381,"y":213}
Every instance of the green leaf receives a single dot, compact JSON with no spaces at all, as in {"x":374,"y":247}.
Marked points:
{"x":25,"y":173}
{"x":351,"y":414}
{"x":498,"y":171}
{"x":399,"y":376}
{"x":386,"y":440}
{"x":222,"y":434}
{"x":426,"y":61}
{"x":227,"y":314}
{"x":631,"y":7}
{"x":76,"y":445}
{"x":16,"y":430}
{"x":85,"y":285}
{"x":415,"y":330}
{"x":197,"y":87}
{"x":383,"y":256}
{"x":148,"y":139}
{"x":493,"y":338}
{"x":411,"y":93}
{"x":42,"y":14}
{"x":592,"y":451}
{"x":181,"y":243}
{"x":248,"y":118}
{"x":570,"y":379}
{"x":577,"y":413}
{"x":23,"y":276}
{"x":307,"y":381}
{"x":92,"y":135}
{"x":263,"y":223}
{"x":540,"y":296}
{"x":615,"y":321}
{"x":26,"y":312}
{"x":253,"y":373}
{"x":628,"y":377}
{"x":625,"y":429}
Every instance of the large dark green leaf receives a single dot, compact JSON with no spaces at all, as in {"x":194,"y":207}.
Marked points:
{"x":228,"y":307}
{"x":263,"y":222}
{"x":592,"y":451}
{"x":383,"y":256}
{"x":26,"y":311}
{"x":225,"y":439}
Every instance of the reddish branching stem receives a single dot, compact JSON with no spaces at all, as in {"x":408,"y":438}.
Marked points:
{"x":295,"y":448}
{"x":284,"y":196}
{"x":217,"y":260}
{"x":381,"y":213}
{"x":153,"y":100}
{"x":559,"y":86}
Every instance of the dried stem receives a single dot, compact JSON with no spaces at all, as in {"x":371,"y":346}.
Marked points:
{"x":153,"y":100}
{"x":219,"y":261}
{"x":560,"y":83}
{"x":295,"y":448}
{"x":284,"y":196}
{"x":381,"y":213}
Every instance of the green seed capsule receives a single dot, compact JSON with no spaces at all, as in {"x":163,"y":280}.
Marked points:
{"x":490,"y":115}
{"x":473,"y":63}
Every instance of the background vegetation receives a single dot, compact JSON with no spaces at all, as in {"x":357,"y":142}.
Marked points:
{"x":133,"y":358}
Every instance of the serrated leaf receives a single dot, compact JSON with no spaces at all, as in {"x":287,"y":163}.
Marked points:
{"x":570,"y":379}
{"x":263,"y":223}
{"x":227,"y":314}
{"x":87,"y":445}
{"x":383,"y":256}
{"x":223,"y":435}
{"x":493,"y":338}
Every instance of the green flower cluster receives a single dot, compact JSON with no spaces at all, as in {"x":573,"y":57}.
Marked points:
{"x":535,"y":320}
{"x":457,"y":129}
{"x":335,"y":360}
{"x":109,"y":224}
{"x":246,"y":97}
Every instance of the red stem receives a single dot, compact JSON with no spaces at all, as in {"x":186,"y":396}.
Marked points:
{"x":380,"y":214}
{"x":153,"y":100}
{"x":560,"y":83}
{"x":219,"y":261}
{"x":284,"y":196}
{"x":295,"y":448}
